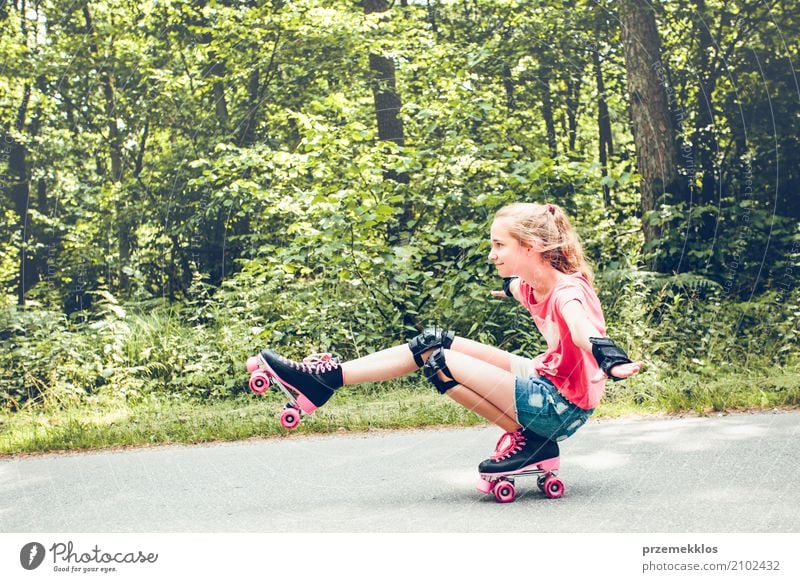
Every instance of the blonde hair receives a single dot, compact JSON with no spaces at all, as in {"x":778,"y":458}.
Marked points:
{"x":546,"y":228}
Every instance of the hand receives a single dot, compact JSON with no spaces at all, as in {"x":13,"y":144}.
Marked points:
{"x":621,"y":371}
{"x":626,"y":370}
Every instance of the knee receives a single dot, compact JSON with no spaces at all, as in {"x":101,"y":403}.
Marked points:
{"x":437,"y":372}
{"x":429,"y":339}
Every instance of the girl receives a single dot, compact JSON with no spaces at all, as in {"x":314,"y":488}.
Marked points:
{"x":537,"y":402}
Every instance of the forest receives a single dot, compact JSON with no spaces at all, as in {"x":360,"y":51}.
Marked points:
{"x":184,"y":183}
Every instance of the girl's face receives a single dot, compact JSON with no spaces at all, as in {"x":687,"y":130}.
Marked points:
{"x":509,"y":255}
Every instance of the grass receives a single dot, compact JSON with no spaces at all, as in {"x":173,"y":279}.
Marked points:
{"x":164,"y":421}
{"x":398,"y":405}
{"x":703,"y":393}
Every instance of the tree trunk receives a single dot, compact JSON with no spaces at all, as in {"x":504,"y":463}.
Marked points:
{"x":387,"y":102}
{"x":247,"y":135}
{"x":508,"y":84}
{"x":216,"y":72}
{"x":573,"y":95}
{"x":220,"y":105}
{"x":20,"y":195}
{"x":605,"y":142}
{"x":547,"y":110}
{"x":431,"y":6}
{"x":653,"y":132}
{"x":19,"y":188}
{"x":384,"y":91}
{"x":139,"y":163}
{"x":19,"y":191}
{"x":115,"y":152}
{"x":705,"y":140}
{"x":390,"y":128}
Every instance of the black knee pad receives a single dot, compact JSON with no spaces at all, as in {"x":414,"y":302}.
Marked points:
{"x":433,"y":337}
{"x":435,"y":364}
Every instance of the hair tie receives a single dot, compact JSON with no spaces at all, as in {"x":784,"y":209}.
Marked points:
{"x":551,"y":209}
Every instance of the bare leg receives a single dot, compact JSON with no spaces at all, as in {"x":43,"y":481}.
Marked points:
{"x":493,"y":385}
{"x":469,"y":399}
{"x":398,"y":361}
{"x":379,"y":366}
{"x":487,"y":386}
{"x":488,"y":354}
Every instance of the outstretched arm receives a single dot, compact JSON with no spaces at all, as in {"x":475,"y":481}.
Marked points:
{"x":582,"y":330}
{"x":510,"y":288}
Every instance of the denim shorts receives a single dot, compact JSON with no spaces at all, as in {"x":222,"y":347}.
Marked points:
{"x":542,"y":409}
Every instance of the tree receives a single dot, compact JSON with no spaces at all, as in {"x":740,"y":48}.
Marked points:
{"x":605,"y":140}
{"x":19,"y":128}
{"x":384,"y":91}
{"x":651,"y":122}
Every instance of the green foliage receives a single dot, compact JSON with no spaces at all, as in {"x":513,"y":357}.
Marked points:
{"x":212,"y":181}
{"x":685,"y":326}
{"x":679,"y":325}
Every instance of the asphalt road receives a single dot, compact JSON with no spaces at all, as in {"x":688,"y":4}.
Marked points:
{"x":735,"y":473}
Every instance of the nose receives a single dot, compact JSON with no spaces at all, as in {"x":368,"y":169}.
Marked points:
{"x":492,"y":256}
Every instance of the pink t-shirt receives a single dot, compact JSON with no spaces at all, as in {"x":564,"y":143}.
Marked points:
{"x":567,"y":366}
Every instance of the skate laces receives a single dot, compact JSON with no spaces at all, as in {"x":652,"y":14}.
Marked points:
{"x":509,"y":444}
{"x":314,"y":363}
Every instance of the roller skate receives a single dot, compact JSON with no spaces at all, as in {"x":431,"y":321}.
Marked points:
{"x":517,"y":454}
{"x":308,"y":384}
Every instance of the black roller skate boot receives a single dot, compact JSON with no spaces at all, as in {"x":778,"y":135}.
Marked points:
{"x":520,"y":451}
{"x":314,"y":379}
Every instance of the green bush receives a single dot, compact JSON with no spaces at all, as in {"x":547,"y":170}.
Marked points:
{"x":682,"y":326}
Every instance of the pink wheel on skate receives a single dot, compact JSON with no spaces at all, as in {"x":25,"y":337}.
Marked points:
{"x":252,"y":364}
{"x":505,"y":492}
{"x":553,"y":487}
{"x":290,"y":418}
{"x":485,"y":486}
{"x":259,"y":382}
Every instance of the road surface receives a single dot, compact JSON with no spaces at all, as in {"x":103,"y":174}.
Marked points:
{"x":731,"y":473}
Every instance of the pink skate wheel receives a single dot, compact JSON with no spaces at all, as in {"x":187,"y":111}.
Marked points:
{"x":290,"y":418}
{"x":553,"y":487}
{"x":252,"y":364}
{"x":485,"y":486}
{"x":505,"y":492}
{"x":259,"y":382}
